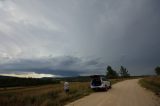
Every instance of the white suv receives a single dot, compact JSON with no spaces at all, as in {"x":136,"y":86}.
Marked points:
{"x":99,"y":82}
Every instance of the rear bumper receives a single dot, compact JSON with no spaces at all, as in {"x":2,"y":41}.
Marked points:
{"x":98,"y":87}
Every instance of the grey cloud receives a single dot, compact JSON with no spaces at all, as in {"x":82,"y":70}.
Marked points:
{"x":122,"y":32}
{"x":63,"y":65}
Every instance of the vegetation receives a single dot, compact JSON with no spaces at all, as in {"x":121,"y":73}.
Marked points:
{"x":76,"y":79}
{"x":157,"y":70}
{"x":124,"y":72}
{"x":151,"y":83}
{"x":14,"y":81}
{"x":45,"y":95}
{"x":111,"y":73}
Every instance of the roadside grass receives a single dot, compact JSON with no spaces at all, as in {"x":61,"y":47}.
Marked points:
{"x":50,"y":95}
{"x":151,"y":83}
{"x":46,"y":95}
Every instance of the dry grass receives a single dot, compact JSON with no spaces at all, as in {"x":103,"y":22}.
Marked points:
{"x":46,"y":95}
{"x":151,"y":83}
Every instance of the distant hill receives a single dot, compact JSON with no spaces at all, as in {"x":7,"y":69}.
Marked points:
{"x":2,"y":77}
{"x":78,"y":78}
{"x":7,"y":81}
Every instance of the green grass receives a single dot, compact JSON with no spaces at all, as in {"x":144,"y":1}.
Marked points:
{"x":151,"y":83}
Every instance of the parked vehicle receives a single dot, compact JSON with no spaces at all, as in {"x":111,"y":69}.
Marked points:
{"x":99,"y":82}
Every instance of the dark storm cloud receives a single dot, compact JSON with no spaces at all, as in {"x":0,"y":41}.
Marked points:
{"x":119,"y":32}
{"x":62,"y":66}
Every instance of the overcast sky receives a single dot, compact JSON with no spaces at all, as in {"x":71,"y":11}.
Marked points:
{"x":79,"y":37}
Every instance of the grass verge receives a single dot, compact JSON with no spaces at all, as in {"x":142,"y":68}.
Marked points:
{"x":151,"y":83}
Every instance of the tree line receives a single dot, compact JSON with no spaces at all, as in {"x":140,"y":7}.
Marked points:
{"x":111,"y":73}
{"x":123,"y":72}
{"x":157,"y":70}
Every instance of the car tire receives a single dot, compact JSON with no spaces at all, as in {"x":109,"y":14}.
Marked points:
{"x":106,"y":88}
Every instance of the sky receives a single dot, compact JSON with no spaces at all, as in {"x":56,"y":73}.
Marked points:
{"x":78,"y":37}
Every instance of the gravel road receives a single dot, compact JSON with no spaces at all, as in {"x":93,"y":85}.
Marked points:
{"x":125,"y":93}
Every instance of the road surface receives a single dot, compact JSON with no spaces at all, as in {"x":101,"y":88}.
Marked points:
{"x":125,"y":93}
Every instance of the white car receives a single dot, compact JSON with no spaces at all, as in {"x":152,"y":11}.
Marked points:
{"x":99,"y":82}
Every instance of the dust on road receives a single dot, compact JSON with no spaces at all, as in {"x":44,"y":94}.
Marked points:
{"x":125,"y":93}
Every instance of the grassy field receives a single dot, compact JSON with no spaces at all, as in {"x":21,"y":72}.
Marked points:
{"x":45,"y":95}
{"x":151,"y":83}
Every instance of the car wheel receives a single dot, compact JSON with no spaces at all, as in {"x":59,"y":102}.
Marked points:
{"x":106,"y":88}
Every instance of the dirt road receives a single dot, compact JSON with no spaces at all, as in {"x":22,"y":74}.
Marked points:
{"x":125,"y":93}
